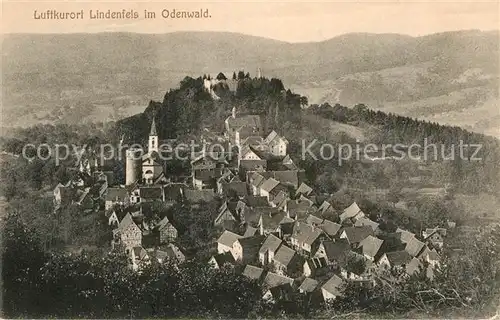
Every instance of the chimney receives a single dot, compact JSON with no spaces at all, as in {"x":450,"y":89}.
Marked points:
{"x":233,"y":113}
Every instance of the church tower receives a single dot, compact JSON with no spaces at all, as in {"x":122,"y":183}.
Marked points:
{"x":153,"y":138}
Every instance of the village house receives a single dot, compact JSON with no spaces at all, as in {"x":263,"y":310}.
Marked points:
{"x":354,"y":235}
{"x":250,"y":232}
{"x":306,"y":237}
{"x":227,"y":176}
{"x":227,"y":216}
{"x":117,"y":215}
{"x":315,"y":267}
{"x":414,"y":266}
{"x":332,"y":288}
{"x":287,"y":261}
{"x":269,"y":248}
{"x":217,"y":261}
{"x":63,"y":195}
{"x":352,"y":213}
{"x":304,"y":190}
{"x":254,"y":180}
{"x":395,"y":260}
{"x":272,"y":280}
{"x":331,"y":229}
{"x":139,"y":257}
{"x":270,"y":189}
{"x":276,"y":144}
{"x":84,"y":199}
{"x":249,"y":166}
{"x":166,"y":231}
{"x":314,"y":221}
{"x":335,"y":252}
{"x":280,"y":200}
{"x":253,"y":272}
{"x":226,"y":241}
{"x":405,"y":235}
{"x":170,"y":253}
{"x":364,"y":221}
{"x":146,"y":194}
{"x":245,"y":250}
{"x":434,"y":237}
{"x":299,"y":210}
{"x":116,"y":196}
{"x":128,"y":233}
{"x":370,"y":247}
{"x":234,"y":190}
{"x":309,"y":285}
{"x":239,"y":128}
{"x":282,"y":293}
{"x":198,"y":197}
{"x":205,"y":178}
{"x":432,"y":258}
{"x":414,"y":247}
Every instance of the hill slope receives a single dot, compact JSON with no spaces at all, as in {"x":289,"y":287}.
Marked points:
{"x":88,"y":77}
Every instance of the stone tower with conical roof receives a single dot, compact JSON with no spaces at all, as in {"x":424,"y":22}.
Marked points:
{"x":153,"y":138}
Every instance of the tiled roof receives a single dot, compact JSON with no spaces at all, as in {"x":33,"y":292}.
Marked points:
{"x":289,"y":177}
{"x":406,"y":236}
{"x":273,"y":280}
{"x":163,"y":223}
{"x":316,"y":263}
{"x":313,"y":220}
{"x":250,"y":242}
{"x":239,"y":188}
{"x":253,"y":165}
{"x":228,"y":238}
{"x":116,"y":193}
{"x":330,"y":228}
{"x":414,"y":247}
{"x":413,"y":266}
{"x":197,"y":196}
{"x":140,"y":253}
{"x":350,"y":212}
{"x":252,"y":140}
{"x":272,"y":243}
{"x":252,"y":121}
{"x":151,"y":192}
{"x":280,"y":198}
{"x":336,"y":250}
{"x":223,"y":258}
{"x":256,"y":201}
{"x":333,"y":285}
{"x":371,"y":246}
{"x":366,"y":222}
{"x":126,"y":221}
{"x":250,"y":232}
{"x":174,"y":253}
{"x":398,"y":258}
{"x":269,"y":184}
{"x":308,"y":285}
{"x":284,"y":255}
{"x":252,"y":272}
{"x":303,"y":189}
{"x":358,"y":234}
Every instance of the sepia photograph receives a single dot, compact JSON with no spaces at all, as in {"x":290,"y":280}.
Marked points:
{"x":250,"y":159}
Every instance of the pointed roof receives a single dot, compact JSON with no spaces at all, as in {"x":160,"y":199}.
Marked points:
{"x":153,"y":132}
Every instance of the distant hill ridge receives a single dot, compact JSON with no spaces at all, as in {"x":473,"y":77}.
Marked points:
{"x":96,"y":73}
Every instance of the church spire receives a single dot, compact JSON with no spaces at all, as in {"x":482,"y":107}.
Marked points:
{"x":153,"y":132}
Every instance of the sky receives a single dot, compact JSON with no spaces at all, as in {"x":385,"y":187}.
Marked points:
{"x":291,"y":21}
